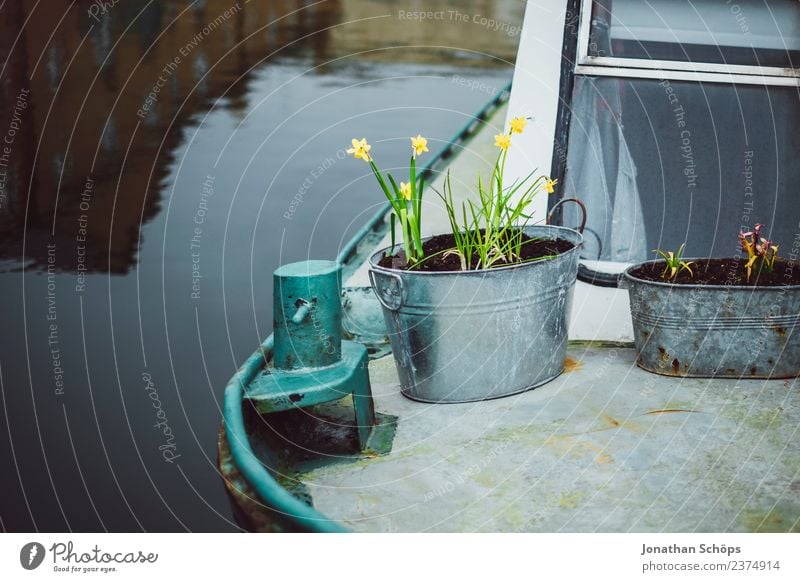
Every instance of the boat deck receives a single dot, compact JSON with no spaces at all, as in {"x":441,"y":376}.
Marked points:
{"x":604,"y":447}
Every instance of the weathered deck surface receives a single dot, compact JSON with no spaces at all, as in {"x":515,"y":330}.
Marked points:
{"x":605,"y":447}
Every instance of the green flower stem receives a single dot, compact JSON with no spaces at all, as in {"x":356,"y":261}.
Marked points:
{"x":491,"y":229}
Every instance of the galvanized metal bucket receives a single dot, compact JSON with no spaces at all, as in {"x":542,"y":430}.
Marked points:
{"x":722,"y":331}
{"x":462,"y":336}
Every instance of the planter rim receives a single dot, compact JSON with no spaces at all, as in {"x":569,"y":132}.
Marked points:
{"x":375,"y":266}
{"x":627,"y":275}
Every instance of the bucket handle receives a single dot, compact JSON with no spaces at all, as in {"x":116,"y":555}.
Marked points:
{"x":388,"y":288}
{"x":580,"y":204}
{"x":618,"y":281}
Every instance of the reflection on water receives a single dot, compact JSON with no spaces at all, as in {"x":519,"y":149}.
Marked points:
{"x":159,"y":160}
{"x":165,"y":62}
{"x":88,"y":84}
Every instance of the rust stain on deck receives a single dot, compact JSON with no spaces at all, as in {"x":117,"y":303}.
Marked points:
{"x":610,"y":422}
{"x":577,"y":447}
{"x":613,"y":422}
{"x":668,"y":410}
{"x":572,"y":365}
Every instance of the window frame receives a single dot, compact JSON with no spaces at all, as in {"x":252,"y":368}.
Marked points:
{"x":589,"y":65}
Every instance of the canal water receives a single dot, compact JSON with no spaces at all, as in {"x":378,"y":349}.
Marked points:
{"x":159,"y":160}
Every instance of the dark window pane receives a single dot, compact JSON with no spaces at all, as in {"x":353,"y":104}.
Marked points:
{"x":662,"y":162}
{"x":744,"y":32}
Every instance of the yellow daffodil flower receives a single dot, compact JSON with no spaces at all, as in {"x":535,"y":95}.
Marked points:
{"x":549,"y":185}
{"x":518,"y":124}
{"x":502,"y":140}
{"x":419,"y":144}
{"x":360,"y":149}
{"x":405,"y":191}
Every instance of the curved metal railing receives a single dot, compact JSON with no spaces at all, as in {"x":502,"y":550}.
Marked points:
{"x":285,"y":506}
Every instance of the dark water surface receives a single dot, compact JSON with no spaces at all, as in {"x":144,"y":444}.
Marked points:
{"x":160,"y":160}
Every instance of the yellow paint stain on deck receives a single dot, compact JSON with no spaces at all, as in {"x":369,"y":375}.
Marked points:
{"x":485,"y":479}
{"x":570,"y":500}
{"x":572,"y":365}
{"x":770,"y":522}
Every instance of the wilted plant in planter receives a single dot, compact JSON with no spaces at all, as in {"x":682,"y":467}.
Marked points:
{"x":761,"y":253}
{"x":484,"y":313}
{"x":720,"y":321}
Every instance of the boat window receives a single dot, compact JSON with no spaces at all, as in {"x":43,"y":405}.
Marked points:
{"x":744,"y":32}
{"x":688,"y":148}
{"x":660,"y":162}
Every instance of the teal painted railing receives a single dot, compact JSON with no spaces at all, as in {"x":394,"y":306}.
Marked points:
{"x":286,"y":508}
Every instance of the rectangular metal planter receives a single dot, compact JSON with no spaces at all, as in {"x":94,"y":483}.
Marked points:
{"x":462,"y":336}
{"x":715,"y":331}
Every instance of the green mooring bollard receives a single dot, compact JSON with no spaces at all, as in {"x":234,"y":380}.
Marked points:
{"x":307,"y":315}
{"x":310,"y":362}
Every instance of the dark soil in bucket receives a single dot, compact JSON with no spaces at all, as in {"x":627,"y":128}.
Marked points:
{"x":723,"y":272}
{"x":437,"y":259}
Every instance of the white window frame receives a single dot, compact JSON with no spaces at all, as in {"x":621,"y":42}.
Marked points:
{"x":673,"y":70}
